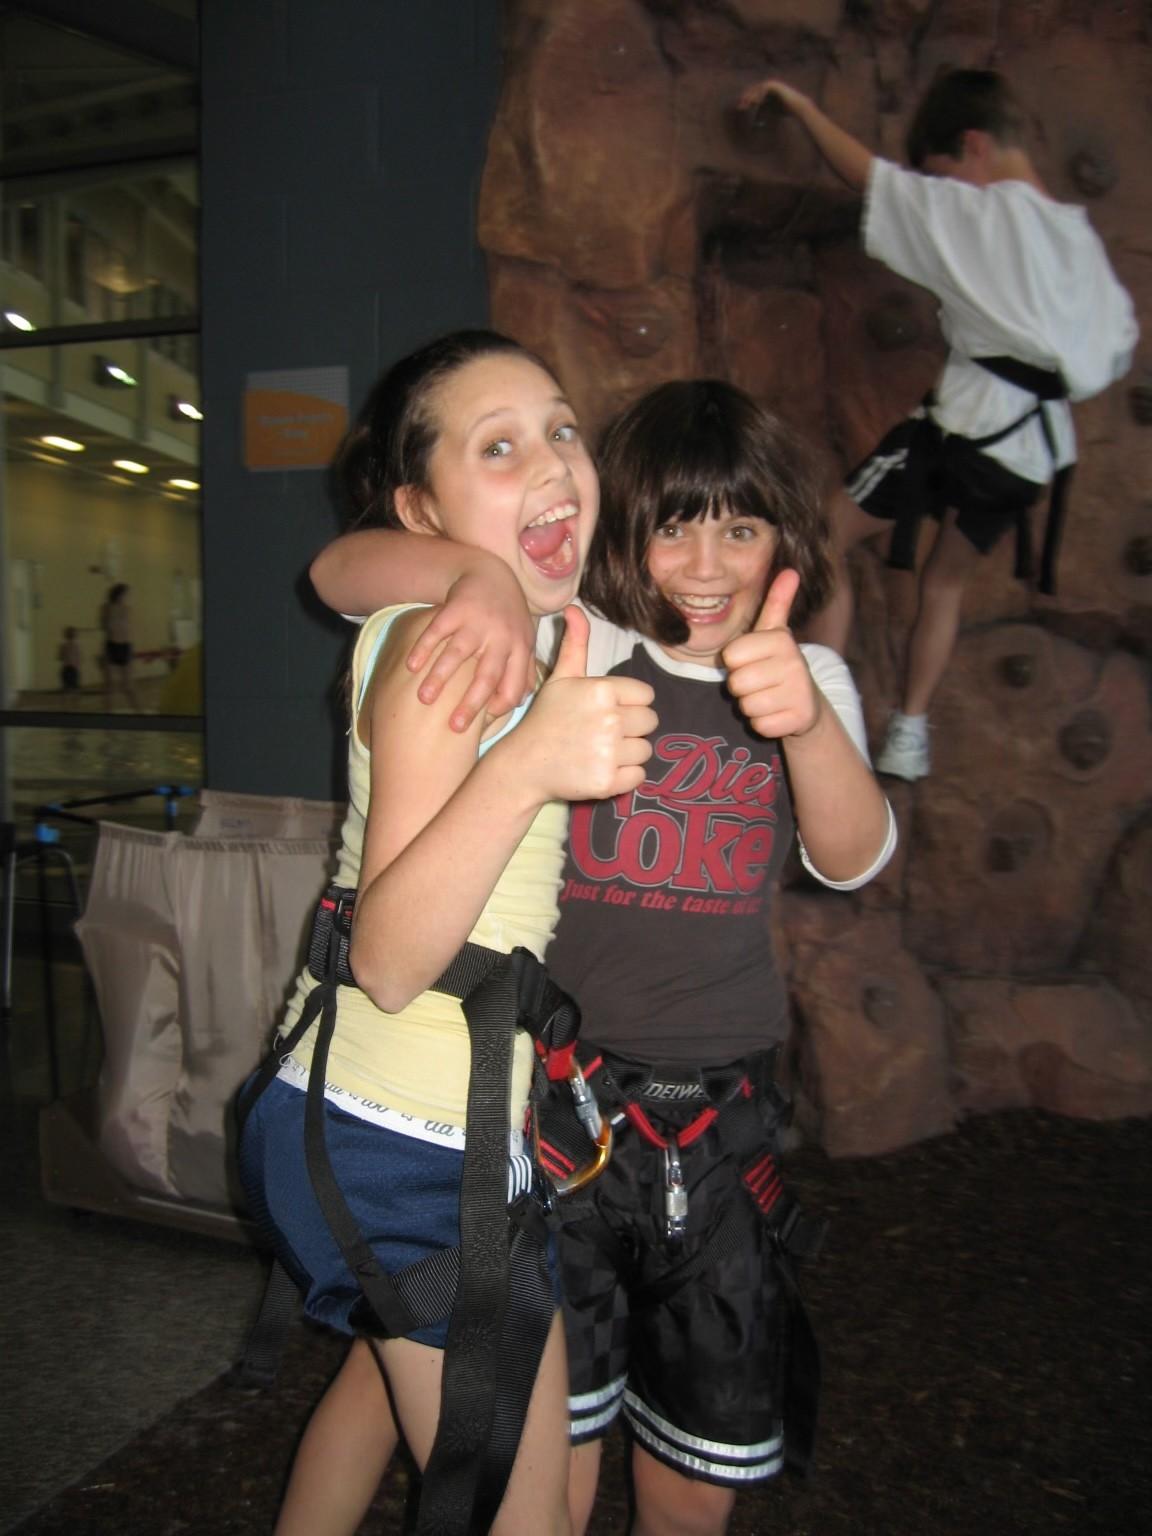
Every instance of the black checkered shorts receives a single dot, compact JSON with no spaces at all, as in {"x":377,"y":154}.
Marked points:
{"x":698,"y":1375}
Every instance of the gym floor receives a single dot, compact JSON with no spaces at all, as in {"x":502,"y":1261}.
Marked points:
{"x":983,"y":1305}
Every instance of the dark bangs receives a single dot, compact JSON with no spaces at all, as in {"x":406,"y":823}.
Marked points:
{"x":688,"y":450}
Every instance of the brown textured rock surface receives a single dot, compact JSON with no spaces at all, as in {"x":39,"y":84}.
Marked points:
{"x":1119,"y":936}
{"x":1076,"y":1048}
{"x":1013,"y":833}
{"x":586,"y":127}
{"x":641,"y":228}
{"x":874,"y":1049}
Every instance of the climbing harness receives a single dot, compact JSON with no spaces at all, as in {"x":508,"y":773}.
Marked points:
{"x":739,"y":1109}
{"x":496,"y":1285}
{"x":1046,"y":385}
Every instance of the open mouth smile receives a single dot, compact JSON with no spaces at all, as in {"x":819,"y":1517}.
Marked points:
{"x":698,"y":609}
{"x":549,"y":543}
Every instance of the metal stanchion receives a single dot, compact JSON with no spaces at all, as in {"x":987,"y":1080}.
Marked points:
{"x":41,"y":848}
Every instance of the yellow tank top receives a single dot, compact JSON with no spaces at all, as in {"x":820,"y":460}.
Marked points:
{"x":416,"y":1061}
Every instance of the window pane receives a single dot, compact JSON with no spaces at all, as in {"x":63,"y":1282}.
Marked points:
{"x":91,"y":246}
{"x":62,"y":94}
{"x":49,"y":766}
{"x":101,"y":490}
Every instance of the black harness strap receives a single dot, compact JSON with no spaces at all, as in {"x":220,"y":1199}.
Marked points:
{"x":530,"y":1306}
{"x":1045,"y":384}
{"x":472,"y":1354}
{"x":394,"y":1317}
{"x":496,"y":1285}
{"x":259,"y":1365}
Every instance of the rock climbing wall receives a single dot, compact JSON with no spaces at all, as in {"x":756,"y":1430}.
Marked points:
{"x":639,"y":228}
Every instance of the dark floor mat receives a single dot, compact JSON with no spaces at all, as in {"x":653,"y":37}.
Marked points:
{"x":983,"y":1309}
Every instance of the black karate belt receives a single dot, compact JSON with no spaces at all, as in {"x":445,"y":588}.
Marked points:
{"x":498,"y":1292}
{"x":743,"y":1110}
{"x":926,"y":438}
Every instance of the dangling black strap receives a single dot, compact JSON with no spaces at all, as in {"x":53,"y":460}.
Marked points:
{"x":1046,"y":384}
{"x":531,"y":1309}
{"x":394,"y":1316}
{"x":1057,"y":512}
{"x":472,"y":1353}
{"x":923,"y":436}
{"x":259,"y":1365}
{"x":499,"y":1290}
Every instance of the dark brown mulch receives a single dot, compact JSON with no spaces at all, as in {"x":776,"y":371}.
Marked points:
{"x":983,"y":1307}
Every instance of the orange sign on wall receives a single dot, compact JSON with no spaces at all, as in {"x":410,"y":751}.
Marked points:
{"x":294,"y":418}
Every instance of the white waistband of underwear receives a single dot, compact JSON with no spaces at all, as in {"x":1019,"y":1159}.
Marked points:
{"x":439,"y":1132}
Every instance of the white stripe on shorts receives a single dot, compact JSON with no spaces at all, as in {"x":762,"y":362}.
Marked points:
{"x":872,"y":472}
{"x":590,"y":1412}
{"x":740,"y":1463}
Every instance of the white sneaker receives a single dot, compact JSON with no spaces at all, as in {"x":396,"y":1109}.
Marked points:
{"x":905,"y":753}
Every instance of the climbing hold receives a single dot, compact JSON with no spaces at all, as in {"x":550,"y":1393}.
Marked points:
{"x":1086,"y":740}
{"x":1092,"y":170}
{"x":1138,"y":555}
{"x":893,"y":323}
{"x":1018,"y":670}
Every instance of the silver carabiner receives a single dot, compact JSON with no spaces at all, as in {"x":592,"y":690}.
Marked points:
{"x":675,"y":1194}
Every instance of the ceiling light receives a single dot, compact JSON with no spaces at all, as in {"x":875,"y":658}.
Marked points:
{"x":183,"y":410}
{"x":185,"y":485}
{"x":18,"y":322}
{"x":67,"y":443}
{"x":131,"y":466}
{"x":111,"y":375}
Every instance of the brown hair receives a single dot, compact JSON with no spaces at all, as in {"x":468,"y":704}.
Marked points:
{"x":391,"y":444}
{"x":694,"y":449}
{"x":959,"y":100}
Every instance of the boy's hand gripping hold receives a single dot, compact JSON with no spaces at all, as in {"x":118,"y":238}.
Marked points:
{"x":585,"y":738}
{"x":767,"y":674}
{"x":785,"y":97}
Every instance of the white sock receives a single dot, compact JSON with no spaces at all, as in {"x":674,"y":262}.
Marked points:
{"x":915,"y":725}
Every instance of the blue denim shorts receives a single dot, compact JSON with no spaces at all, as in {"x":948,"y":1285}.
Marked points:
{"x":404,"y":1193}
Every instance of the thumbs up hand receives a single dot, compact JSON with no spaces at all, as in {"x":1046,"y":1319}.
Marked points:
{"x":767,"y":674}
{"x":572,"y":658}
{"x":585,"y":738}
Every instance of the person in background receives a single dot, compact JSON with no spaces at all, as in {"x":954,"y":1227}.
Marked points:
{"x":1034,"y":317}
{"x":68,"y":655}
{"x":116,"y":623}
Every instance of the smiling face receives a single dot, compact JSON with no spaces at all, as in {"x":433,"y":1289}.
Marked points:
{"x":714,"y":571}
{"x":510,"y":474}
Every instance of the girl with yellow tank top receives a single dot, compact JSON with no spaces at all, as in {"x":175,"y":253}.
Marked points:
{"x":449,"y":836}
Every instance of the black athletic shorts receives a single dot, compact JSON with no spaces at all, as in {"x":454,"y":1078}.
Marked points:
{"x":699,"y":1376}
{"x":917,"y":461}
